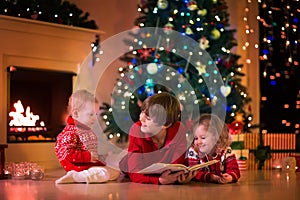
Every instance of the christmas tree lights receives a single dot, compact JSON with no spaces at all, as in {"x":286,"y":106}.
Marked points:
{"x":205,"y":22}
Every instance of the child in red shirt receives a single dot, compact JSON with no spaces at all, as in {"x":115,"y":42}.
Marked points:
{"x":212,"y":141}
{"x":157,"y":137}
{"x":77,"y":145}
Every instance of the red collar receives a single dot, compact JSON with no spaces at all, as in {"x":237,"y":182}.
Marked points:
{"x":72,"y":121}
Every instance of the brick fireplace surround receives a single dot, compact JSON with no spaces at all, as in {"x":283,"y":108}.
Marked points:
{"x":38,"y":45}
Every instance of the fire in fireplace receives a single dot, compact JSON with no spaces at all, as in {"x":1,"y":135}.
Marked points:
{"x":45,"y":95}
{"x":25,"y":122}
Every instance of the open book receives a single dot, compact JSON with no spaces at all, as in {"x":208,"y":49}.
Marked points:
{"x":158,"y":168}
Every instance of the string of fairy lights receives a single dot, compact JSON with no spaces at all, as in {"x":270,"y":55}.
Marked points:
{"x":60,"y":12}
{"x":279,"y":22}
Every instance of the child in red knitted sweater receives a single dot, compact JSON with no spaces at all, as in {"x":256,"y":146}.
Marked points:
{"x":77,"y":145}
{"x":212,"y":142}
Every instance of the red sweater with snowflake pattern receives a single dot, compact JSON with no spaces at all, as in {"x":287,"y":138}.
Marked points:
{"x":74,"y":146}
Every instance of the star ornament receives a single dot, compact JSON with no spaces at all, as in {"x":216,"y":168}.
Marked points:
{"x":239,"y":118}
{"x":203,"y":43}
{"x":201,"y":68}
{"x":192,"y":5}
{"x":168,"y":28}
{"x":145,"y":53}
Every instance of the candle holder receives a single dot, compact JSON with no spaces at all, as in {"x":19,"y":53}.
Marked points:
{"x":18,"y":171}
{"x":8,"y":169}
{"x":37,"y":173}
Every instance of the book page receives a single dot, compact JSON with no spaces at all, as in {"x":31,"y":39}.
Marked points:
{"x":202,"y":165}
{"x":158,"y":168}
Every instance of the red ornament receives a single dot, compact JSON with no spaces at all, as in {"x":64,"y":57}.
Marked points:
{"x":145,"y":53}
{"x":227,"y":61}
{"x":235,"y":128}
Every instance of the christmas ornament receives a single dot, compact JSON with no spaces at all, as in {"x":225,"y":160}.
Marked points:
{"x":168,"y":28}
{"x":239,"y":117}
{"x":204,"y":43}
{"x":145,"y":53}
{"x":228,"y":61}
{"x":202,"y":12}
{"x":235,"y":128}
{"x":225,"y":90}
{"x":192,"y":5}
{"x":201,"y":69}
{"x":188,"y":31}
{"x":162,"y":4}
{"x":152,"y":68}
{"x":215,"y":34}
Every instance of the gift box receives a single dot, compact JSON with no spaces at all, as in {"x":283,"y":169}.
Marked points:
{"x":241,"y":153}
{"x":242,"y":156}
{"x":237,"y":141}
{"x":242,"y":164}
{"x":237,"y":145}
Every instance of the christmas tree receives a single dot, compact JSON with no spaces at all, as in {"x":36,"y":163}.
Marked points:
{"x":169,"y":67}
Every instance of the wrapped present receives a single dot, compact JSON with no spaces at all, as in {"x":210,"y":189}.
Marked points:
{"x":238,"y":137}
{"x":242,"y":164}
{"x":241,"y":153}
{"x":237,"y":145}
{"x":237,"y":141}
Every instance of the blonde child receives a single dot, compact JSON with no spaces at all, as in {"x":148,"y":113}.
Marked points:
{"x":77,"y":145}
{"x":212,"y":141}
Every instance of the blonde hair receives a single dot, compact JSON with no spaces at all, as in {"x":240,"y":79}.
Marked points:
{"x":79,"y":98}
{"x":217,"y":127}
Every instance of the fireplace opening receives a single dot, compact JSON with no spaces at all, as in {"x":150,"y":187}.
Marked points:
{"x":37,"y":103}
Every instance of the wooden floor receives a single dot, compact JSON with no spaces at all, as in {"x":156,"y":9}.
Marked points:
{"x":264,"y":184}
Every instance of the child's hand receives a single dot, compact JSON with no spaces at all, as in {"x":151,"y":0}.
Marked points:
{"x":168,"y":178}
{"x":225,"y":178}
{"x":185,"y":178}
{"x":214,"y":178}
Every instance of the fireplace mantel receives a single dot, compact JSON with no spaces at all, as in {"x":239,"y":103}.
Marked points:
{"x":39,"y":45}
{"x":48,"y":29}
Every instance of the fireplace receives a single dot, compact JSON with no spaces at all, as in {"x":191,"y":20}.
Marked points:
{"x":37,"y":103}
